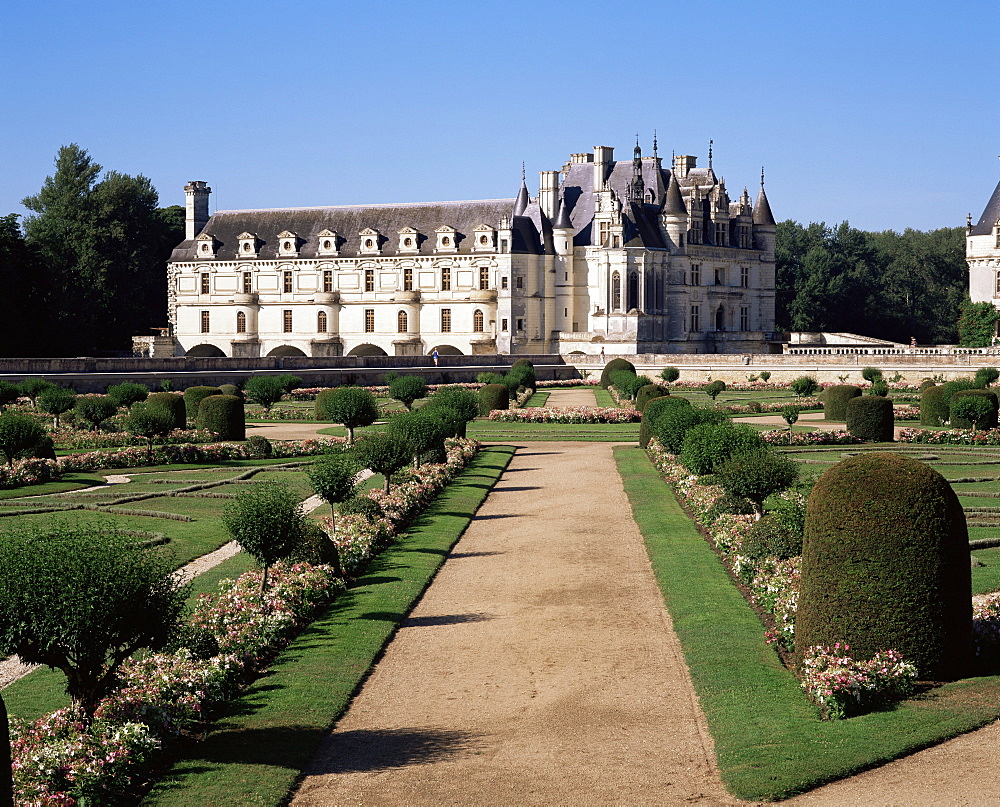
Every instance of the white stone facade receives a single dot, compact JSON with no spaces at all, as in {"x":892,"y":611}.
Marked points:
{"x":982,"y":253}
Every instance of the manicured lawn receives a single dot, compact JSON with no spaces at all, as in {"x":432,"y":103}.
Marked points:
{"x":769,"y":740}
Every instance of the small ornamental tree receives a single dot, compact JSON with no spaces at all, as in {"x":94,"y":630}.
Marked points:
{"x":94,"y":410}
{"x":408,"y":388}
{"x":655,"y":409}
{"x":264,"y":390}
{"x":493,"y":396}
{"x":614,"y":366}
{"x":421,"y":431}
{"x":871,"y":374}
{"x":708,"y":445}
{"x":628,"y":384}
{"x":83,"y":599}
{"x":172,"y":403}
{"x":8,"y":394}
{"x":671,"y":426}
{"x":56,"y":401}
{"x":879,"y":388}
{"x":352,"y":406}
{"x":714,"y":389}
{"x":647,"y":393}
{"x":266,"y":521}
{"x":464,"y":403}
{"x":148,"y":421}
{"x":18,"y":433}
{"x":765,"y":375}
{"x":977,"y":323}
{"x":31,"y":388}
{"x":986,"y":376}
{"x":127,"y":394}
{"x":670,"y":374}
{"x":790,"y":414}
{"x":975,"y":409}
{"x":332,"y":478}
{"x":383,"y":453}
{"x":755,"y":475}
{"x":290,"y":382}
{"x":804,"y":386}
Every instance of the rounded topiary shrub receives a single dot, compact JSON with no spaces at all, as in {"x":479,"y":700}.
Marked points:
{"x":885,"y":565}
{"x":193,"y":397}
{"x":654,"y":409}
{"x":671,"y":427}
{"x":771,"y":538}
{"x":962,"y":423}
{"x":933,"y":406}
{"x":259,"y":446}
{"x":172,"y":403}
{"x":231,"y":389}
{"x":647,"y":393}
{"x":835,"y":400}
{"x":493,"y":396}
{"x":222,"y":414}
{"x":870,"y":418}
{"x":707,"y":445}
{"x":614,"y":366}
{"x":523,"y":363}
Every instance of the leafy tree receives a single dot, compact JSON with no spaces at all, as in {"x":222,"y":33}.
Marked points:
{"x":804,"y":386}
{"x":83,"y":599}
{"x":290,"y":382}
{"x":264,"y":390}
{"x":879,"y":388}
{"x":18,"y":433}
{"x":463,"y":404}
{"x":148,"y":421}
{"x":266,"y":521}
{"x":670,"y":374}
{"x":383,"y":453}
{"x":871,"y":374}
{"x":332,"y":478}
{"x":352,"y":406}
{"x":94,"y":409}
{"x":8,"y":394}
{"x":21,"y":274}
{"x":714,"y":389}
{"x":765,"y":375}
{"x":986,"y":376}
{"x":421,"y":431}
{"x":408,"y":388}
{"x":127,"y":393}
{"x":974,"y":408}
{"x":31,"y":388}
{"x":56,"y":401}
{"x":977,"y":323}
{"x":755,"y":475}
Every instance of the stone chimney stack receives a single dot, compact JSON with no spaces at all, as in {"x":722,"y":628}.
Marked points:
{"x":604,"y":160}
{"x":548,"y":193}
{"x":196,"y":195}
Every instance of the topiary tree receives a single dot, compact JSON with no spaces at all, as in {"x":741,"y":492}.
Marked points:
{"x":871,"y":374}
{"x":804,"y":386}
{"x":523,"y":363}
{"x":770,"y":537}
{"x":755,"y":475}
{"x":8,"y":394}
{"x":222,"y":414}
{"x":879,"y":388}
{"x":714,"y":388}
{"x":421,"y":431}
{"x":707,"y":445}
{"x":646,"y":393}
{"x":193,"y":397}
{"x":231,"y":389}
{"x":933,"y":409}
{"x":31,"y":388}
{"x":628,"y":384}
{"x":94,"y":409}
{"x":289,"y":382}
{"x":266,"y":521}
{"x":835,"y":400}
{"x":765,"y":375}
{"x":885,"y":565}
{"x":408,"y":388}
{"x":493,"y":396}
{"x":790,"y":414}
{"x":56,"y":401}
{"x":83,"y":599}
{"x":870,"y":418}
{"x":671,"y":426}
{"x":463,"y":403}
{"x":174,"y":404}
{"x":489,"y":378}
{"x":18,"y":433}
{"x":952,"y":387}
{"x":614,"y":366}
{"x":986,"y":376}
{"x":149,"y":422}
{"x":982,"y":414}
{"x":520,"y":376}
{"x":383,"y":453}
{"x":127,"y":393}
{"x":653,"y":411}
{"x":670,"y":374}
{"x":352,"y":406}
{"x":264,"y":390}
{"x":332,"y":479}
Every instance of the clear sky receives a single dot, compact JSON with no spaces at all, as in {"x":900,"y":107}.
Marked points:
{"x":884,"y":114}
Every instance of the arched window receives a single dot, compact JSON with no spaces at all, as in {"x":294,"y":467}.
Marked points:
{"x":477,"y":321}
{"x":321,"y":322}
{"x":616,"y":292}
{"x":401,"y":322}
{"x":633,"y":291}
{"x":241,"y":322}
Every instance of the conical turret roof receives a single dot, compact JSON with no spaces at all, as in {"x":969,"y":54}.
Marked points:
{"x":762,"y":215}
{"x":522,"y":201}
{"x":562,"y":221}
{"x":673,"y":205}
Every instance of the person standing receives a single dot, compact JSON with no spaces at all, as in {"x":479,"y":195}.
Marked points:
{"x":434,"y":356}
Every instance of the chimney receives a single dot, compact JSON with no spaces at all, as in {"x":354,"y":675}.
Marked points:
{"x":604,"y":157}
{"x":196,"y":195}
{"x":683,"y":163}
{"x":548,"y":192}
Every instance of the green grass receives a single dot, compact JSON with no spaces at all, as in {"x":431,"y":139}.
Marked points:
{"x":769,"y":741}
{"x":254,"y":754}
{"x":67,"y":482}
{"x":491,"y":431}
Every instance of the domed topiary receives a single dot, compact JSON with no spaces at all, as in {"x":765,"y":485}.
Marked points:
{"x":614,"y":366}
{"x":193,"y":397}
{"x":835,"y":400}
{"x":671,"y":427}
{"x":962,"y":423}
{"x":493,"y":396}
{"x":933,"y":406}
{"x":172,"y":403}
{"x":885,"y":565}
{"x":654,"y":409}
{"x":870,"y":418}
{"x":231,"y":389}
{"x":707,"y":445}
{"x":647,"y":393}
{"x":222,"y":414}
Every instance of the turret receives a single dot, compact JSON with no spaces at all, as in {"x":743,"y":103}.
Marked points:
{"x":674,"y":215}
{"x":562,"y":230}
{"x":764,"y":226}
{"x":196,"y":195}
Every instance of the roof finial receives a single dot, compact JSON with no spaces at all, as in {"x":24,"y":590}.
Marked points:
{"x":523,"y":176}
{"x":762,"y":176}
{"x":654,"y":144}
{"x":709,"y":153}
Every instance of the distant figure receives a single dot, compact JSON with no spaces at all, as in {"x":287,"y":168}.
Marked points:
{"x":434,"y":356}
{"x":913,"y":341}
{"x":602,"y":351}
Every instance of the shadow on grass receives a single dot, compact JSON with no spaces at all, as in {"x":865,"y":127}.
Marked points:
{"x":380,"y":749}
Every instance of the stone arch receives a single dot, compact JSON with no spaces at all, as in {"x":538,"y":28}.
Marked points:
{"x":205,"y":351}
{"x":286,"y":350}
{"x":366,"y":350}
{"x":446,"y":350}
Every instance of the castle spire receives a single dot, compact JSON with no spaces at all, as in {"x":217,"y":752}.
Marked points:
{"x":709,"y":155}
{"x":654,"y":144}
{"x":523,"y":199}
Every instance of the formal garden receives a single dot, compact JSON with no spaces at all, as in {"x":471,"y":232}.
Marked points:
{"x":104,"y":497}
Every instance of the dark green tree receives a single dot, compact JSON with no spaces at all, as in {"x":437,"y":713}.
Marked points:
{"x":94,"y":409}
{"x":18,"y":433}
{"x":406,"y":389}
{"x":148,"y":421}
{"x":383,"y":453}
{"x":977,"y":324}
{"x":264,"y":390}
{"x":56,"y":401}
{"x":352,"y":406}
{"x":266,"y":521}
{"x":127,"y":393}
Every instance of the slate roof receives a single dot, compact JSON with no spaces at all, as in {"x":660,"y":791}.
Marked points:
{"x":762,"y":211}
{"x":990,"y":215}
{"x":348,"y":221}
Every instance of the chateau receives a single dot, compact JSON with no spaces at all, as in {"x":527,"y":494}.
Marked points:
{"x":982,"y":252}
{"x":611,"y":256}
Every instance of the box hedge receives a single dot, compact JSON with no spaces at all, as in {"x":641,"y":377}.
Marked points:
{"x":655,"y":409}
{"x":614,"y":366}
{"x":962,"y":423}
{"x":835,"y":400}
{"x":647,"y":393}
{"x":172,"y":403}
{"x":870,"y":418}
{"x":493,"y":396}
{"x":222,"y":414}
{"x":193,"y":397}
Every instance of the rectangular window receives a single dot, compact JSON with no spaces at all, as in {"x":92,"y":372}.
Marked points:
{"x":997,"y":294}
{"x":369,"y":320}
{"x":503,"y":282}
{"x":204,"y":284}
{"x":744,"y":318}
{"x":503,"y":324}
{"x":286,"y":282}
{"x":520,"y":324}
{"x":720,"y":235}
{"x":369,"y":280}
{"x":615,"y":241}
{"x":445,"y":320}
{"x":603,"y":232}
{"x":247,"y":283}
{"x":286,"y":320}
{"x":408,"y":279}
{"x":745,"y":277}
{"x":205,"y":325}
{"x":695,"y":274}
{"x":503,"y":245}
{"x":695,"y":318}
{"x":445,"y":278}
{"x":484,"y":278}
{"x":327,"y":280}
{"x":719,"y":277}
{"x":519,"y":282}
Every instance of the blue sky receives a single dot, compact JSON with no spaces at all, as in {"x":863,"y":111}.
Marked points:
{"x":882,"y":114}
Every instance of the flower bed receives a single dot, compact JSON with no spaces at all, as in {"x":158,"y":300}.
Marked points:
{"x":783,"y":437}
{"x":58,"y":760}
{"x":960,"y":437}
{"x":578,"y":414}
{"x":28,"y":472}
{"x":842,"y":686}
{"x":72,"y":439}
{"x":906,"y":412}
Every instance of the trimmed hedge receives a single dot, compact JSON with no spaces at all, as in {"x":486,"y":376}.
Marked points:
{"x":222,"y":414}
{"x":493,"y":396}
{"x":193,"y":397}
{"x":870,"y":418}
{"x":708,"y":445}
{"x":653,"y":411}
{"x":231,"y":389}
{"x":770,"y":537}
{"x":962,"y":423}
{"x":647,"y":393}
{"x":933,"y":406}
{"x":614,"y":366}
{"x":172,"y":403}
{"x":671,"y":427}
{"x":885,"y":565}
{"x":835,"y":401}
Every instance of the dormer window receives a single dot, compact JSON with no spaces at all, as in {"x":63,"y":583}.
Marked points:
{"x":484,"y":239}
{"x":326,"y":243}
{"x":205,"y":246}
{"x":249,"y":245}
{"x":447,"y":239}
{"x":409,"y":240}
{"x":369,"y":241}
{"x":288,"y":244}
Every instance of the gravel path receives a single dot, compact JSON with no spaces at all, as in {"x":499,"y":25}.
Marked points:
{"x":540,"y":668}
{"x":569,"y":398}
